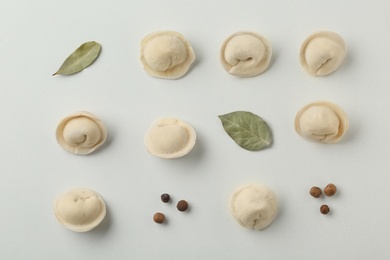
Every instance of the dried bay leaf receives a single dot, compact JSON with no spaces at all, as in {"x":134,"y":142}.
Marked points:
{"x":248,"y":130}
{"x":81,"y":58}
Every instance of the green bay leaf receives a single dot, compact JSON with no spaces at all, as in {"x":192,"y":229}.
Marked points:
{"x":248,"y":130}
{"x":81,"y":58}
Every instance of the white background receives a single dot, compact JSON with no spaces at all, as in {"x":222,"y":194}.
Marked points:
{"x":37,"y":36}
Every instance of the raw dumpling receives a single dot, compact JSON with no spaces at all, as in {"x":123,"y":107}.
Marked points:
{"x":245,"y":54}
{"x":80,"y":209}
{"x":322,"y":121}
{"x":322,"y":53}
{"x":166,"y":54}
{"x":170,"y":138}
{"x":81,"y":133}
{"x":254,"y":206}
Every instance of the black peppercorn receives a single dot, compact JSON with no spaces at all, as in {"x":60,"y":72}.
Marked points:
{"x":165,"y":198}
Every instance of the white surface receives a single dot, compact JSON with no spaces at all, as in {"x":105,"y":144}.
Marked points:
{"x":36,"y":36}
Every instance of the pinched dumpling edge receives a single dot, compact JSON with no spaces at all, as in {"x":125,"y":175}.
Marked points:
{"x":75,"y":149}
{"x":326,"y":34}
{"x":167,"y":121}
{"x":177,"y":71}
{"x":261,"y":66}
{"x":341,"y":115}
{"x":85,"y":227}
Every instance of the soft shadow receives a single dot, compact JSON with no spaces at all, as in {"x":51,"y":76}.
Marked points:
{"x":196,"y":154}
{"x":272,"y":61}
{"x":104,"y":226}
{"x":348,"y":61}
{"x":349,"y":136}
